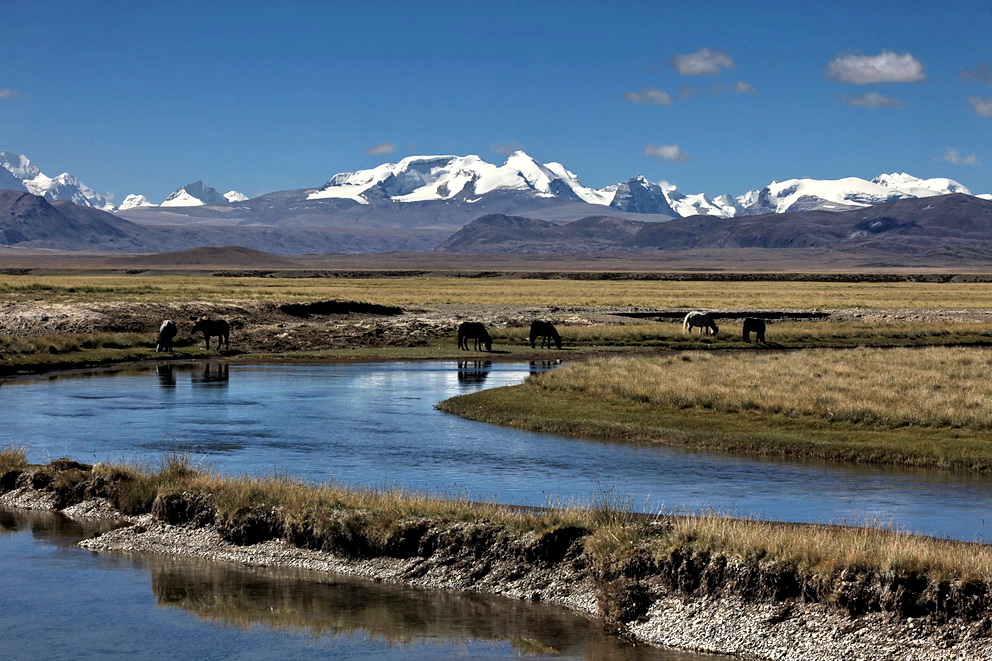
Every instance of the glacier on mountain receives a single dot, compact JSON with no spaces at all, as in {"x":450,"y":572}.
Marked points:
{"x":469,"y":179}
{"x":21,"y":173}
{"x":424,"y":178}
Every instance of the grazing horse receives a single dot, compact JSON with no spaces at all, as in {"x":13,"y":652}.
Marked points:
{"x":218,"y":328}
{"x":756,"y":326}
{"x":701,"y":319}
{"x":546,"y":331}
{"x":473,"y":330}
{"x":166,"y":333}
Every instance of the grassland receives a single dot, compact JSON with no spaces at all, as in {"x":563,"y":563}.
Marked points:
{"x":497,"y":291}
{"x":925,"y":407}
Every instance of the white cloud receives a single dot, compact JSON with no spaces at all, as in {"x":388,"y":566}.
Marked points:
{"x":381,"y":148}
{"x":952,"y":155}
{"x":7,"y":93}
{"x":981,"y":106}
{"x":704,"y":62}
{"x":740,"y":87}
{"x":981,"y":74}
{"x":872,"y":100}
{"x":888,"y":67}
{"x":650,"y":96}
{"x":671,"y":153}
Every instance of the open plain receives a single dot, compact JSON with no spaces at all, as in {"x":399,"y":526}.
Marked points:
{"x":874,"y":595}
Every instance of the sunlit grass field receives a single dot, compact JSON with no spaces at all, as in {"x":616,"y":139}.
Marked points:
{"x":500,"y":291}
{"x":924,"y":407}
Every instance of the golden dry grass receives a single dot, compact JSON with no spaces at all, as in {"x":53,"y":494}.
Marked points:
{"x":650,"y":294}
{"x":825,"y":550}
{"x":927,"y":387}
{"x":613,"y":529}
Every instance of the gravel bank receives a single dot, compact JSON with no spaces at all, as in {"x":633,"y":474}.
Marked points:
{"x":786,"y":632}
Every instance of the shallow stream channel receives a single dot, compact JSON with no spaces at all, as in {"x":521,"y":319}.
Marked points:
{"x":369,"y":424}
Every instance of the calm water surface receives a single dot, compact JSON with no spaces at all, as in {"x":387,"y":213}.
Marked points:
{"x":58,"y":601}
{"x":375,"y":424}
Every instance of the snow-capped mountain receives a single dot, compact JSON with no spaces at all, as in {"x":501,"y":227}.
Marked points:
{"x":195,"y":194}
{"x":133,"y":202}
{"x":470,"y":179}
{"x":841,"y":194}
{"x":18,"y":173}
{"x":465,"y":178}
{"x":520,"y":185}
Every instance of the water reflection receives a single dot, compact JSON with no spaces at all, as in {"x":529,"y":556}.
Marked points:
{"x":473,"y":372}
{"x":538,"y":366}
{"x":213,"y":374}
{"x":219,"y":610}
{"x":166,"y":375}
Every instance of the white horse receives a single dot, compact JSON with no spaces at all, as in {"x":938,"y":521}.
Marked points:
{"x":701,"y":319}
{"x":166,"y":333}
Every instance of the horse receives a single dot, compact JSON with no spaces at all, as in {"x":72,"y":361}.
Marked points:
{"x":218,"y":328}
{"x":166,"y":333}
{"x":756,"y":326}
{"x":546,"y":331}
{"x":701,"y":319}
{"x":473,"y":330}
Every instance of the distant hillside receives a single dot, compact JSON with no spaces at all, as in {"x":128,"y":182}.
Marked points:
{"x":226,"y":256}
{"x":949,"y":225}
{"x":30,"y":221}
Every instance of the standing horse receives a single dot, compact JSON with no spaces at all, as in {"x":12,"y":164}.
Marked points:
{"x":546,"y":331}
{"x":756,"y":326}
{"x":166,"y":333}
{"x":701,"y":319}
{"x":473,"y":330}
{"x":218,"y":328}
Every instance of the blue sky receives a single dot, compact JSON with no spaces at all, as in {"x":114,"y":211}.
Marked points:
{"x":713,"y":96}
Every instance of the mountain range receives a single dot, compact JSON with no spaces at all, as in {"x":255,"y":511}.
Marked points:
{"x":519,"y":184}
{"x":463,"y":204}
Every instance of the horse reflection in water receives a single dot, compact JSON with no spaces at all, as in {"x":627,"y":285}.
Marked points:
{"x":473,"y":372}
{"x":166,"y":375}
{"x":214,"y":374}
{"x":539,"y":366}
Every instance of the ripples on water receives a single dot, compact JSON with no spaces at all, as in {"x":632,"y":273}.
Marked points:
{"x":376,"y":425}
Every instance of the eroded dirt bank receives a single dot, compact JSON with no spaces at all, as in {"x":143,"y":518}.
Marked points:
{"x":681,"y":597}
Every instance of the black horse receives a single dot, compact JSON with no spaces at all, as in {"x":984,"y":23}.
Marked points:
{"x":473,"y":330}
{"x":166,"y":334}
{"x":218,"y":328}
{"x":756,"y":326}
{"x":546,"y":331}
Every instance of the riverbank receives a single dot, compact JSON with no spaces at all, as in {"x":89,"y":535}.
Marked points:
{"x":663,"y":580}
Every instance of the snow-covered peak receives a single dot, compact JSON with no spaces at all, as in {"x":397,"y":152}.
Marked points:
{"x":63,"y":187}
{"x":909,"y":184}
{"x":194,"y":195}
{"x":235,"y":196}
{"x":424,"y":178}
{"x":134,"y":201}
{"x":698,"y":204}
{"x":18,"y":165}
{"x":842,"y":194}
